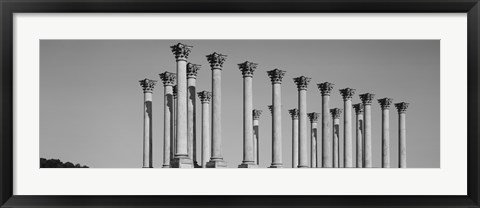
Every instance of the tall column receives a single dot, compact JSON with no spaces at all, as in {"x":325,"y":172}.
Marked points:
{"x":367,"y":142}
{"x":276,"y":77}
{"x":359,"y":133}
{"x":173,"y":141}
{"x":247,"y":68}
{"x":385,"y":105}
{"x":192,"y":70}
{"x":327,"y":159}
{"x":181,"y":159}
{"x":313,"y":138}
{"x":302,"y":84}
{"x":336,"y":113}
{"x":168,"y":80}
{"x":205,"y":98}
{"x":216,"y":61}
{"x":256,"y":134}
{"x":347,"y":95}
{"x":294,"y":113}
{"x":402,"y":134}
{"x":147,"y":86}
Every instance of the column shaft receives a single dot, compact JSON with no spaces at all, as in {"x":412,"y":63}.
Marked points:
{"x":147,"y":130}
{"x":216,"y":114}
{"x":277,"y":126}
{"x":326,"y":138}
{"x":191,"y":120}
{"x":168,"y":102}
{"x":205,"y":133}
{"x":256,"y":143}
{"x":295,"y":143}
{"x":336,"y":143}
{"x":402,"y":146}
{"x":313,"y":145}
{"x":385,"y":139}
{"x":359,"y":134}
{"x":302,"y":133}
{"x":182,"y":142}
{"x":248,"y":146}
{"x":347,"y":131}
{"x":367,"y":148}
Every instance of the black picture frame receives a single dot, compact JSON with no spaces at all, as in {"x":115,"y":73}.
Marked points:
{"x":9,"y":7}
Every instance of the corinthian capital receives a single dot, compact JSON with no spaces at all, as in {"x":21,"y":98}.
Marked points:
{"x":385,"y":103}
{"x":294,"y":113}
{"x":336,"y":112}
{"x":276,"y":76}
{"x":325,"y":88}
{"x":168,"y":78}
{"x":367,"y":98}
{"x":270,"y":107}
{"x":192,"y":70}
{"x":313,"y":117}
{"x":256,"y":114}
{"x":181,"y":51}
{"x":247,"y":68}
{"x":205,"y":96}
{"x":402,"y":107}
{"x":358,"y":108}
{"x":302,"y":82}
{"x":347,"y":93}
{"x":147,"y":85}
{"x":216,"y":60}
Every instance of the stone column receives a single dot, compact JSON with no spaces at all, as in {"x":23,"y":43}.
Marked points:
{"x":168,"y":80}
{"x":216,"y":61}
{"x":367,"y":142}
{"x":276,"y":77}
{"x":173,"y":141}
{"x":302,"y":84}
{"x":347,"y":95}
{"x":294,"y":113}
{"x":327,"y":159}
{"x":147,"y":86}
{"x":205,"y":98}
{"x":336,"y":113}
{"x":256,"y":134}
{"x":192,"y":70}
{"x":385,"y":105}
{"x":247,"y":69}
{"x":359,"y":133}
{"x":181,"y":159}
{"x":313,"y":138}
{"x":402,"y":134}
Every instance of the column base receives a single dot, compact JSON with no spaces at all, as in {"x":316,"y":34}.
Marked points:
{"x":166,"y":166}
{"x":276,"y":166}
{"x":182,"y":162}
{"x":218,"y":163}
{"x":248,"y":165}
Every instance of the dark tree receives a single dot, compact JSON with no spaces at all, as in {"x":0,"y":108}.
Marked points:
{"x":56,"y":163}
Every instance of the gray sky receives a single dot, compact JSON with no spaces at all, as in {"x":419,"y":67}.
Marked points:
{"x":91,"y":103}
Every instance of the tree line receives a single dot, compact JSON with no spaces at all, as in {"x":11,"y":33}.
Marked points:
{"x":56,"y":163}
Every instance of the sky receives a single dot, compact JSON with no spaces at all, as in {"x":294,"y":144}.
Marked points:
{"x":91,"y":103}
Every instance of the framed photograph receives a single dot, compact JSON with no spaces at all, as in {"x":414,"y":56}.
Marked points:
{"x":229,"y":103}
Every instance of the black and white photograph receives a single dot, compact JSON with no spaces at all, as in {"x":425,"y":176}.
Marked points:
{"x":239,"y":103}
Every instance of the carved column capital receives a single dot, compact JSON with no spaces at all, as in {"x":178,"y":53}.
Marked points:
{"x":325,"y":88}
{"x":358,"y":108}
{"x":192,"y":70}
{"x":347,"y":93}
{"x":402,"y":107}
{"x":270,"y":107}
{"x":247,"y":68}
{"x":168,"y":78}
{"x":336,"y":112}
{"x":205,"y":96}
{"x":181,"y":51}
{"x":216,"y":60}
{"x":367,"y":98}
{"x":294,"y":113}
{"x":313,"y":117}
{"x":276,"y":76}
{"x":385,"y":103}
{"x":302,"y":82}
{"x":174,"y":91}
{"x":147,"y":85}
{"x":256,"y":114}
